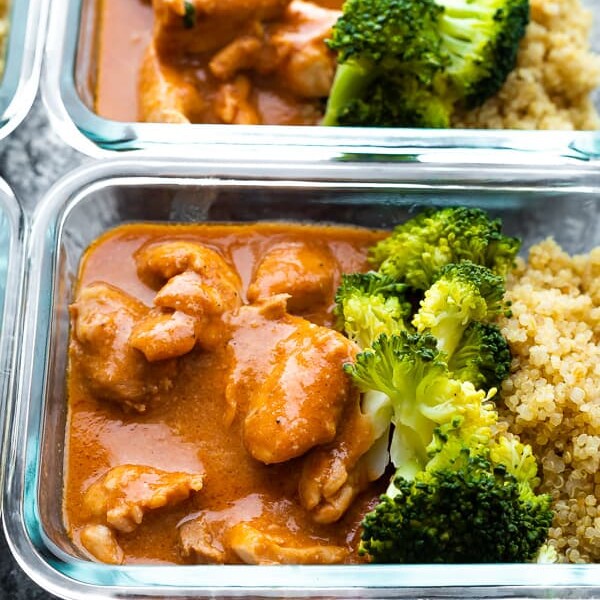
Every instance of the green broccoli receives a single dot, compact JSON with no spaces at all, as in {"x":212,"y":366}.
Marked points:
{"x":379,"y":41}
{"x":547,"y":554}
{"x":417,"y":249}
{"x":482,"y":39}
{"x":460,"y":494}
{"x":409,"y":62}
{"x":467,"y":510}
{"x":411,"y":371}
{"x":385,"y":107}
{"x":463,"y":293}
{"x":481,"y":357}
{"x":369,"y":304}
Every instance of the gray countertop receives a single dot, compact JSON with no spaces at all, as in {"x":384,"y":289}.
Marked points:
{"x":31,"y":160}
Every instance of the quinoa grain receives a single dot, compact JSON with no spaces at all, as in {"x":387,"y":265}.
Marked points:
{"x":554,"y":76}
{"x":552,"y":396}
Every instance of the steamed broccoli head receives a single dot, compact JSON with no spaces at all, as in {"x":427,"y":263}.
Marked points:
{"x":482,"y":356}
{"x":468,"y":511}
{"x":411,"y":371}
{"x":398,"y":365}
{"x":389,"y":57}
{"x":404,"y":367}
{"x":463,"y":293}
{"x":517,"y":458}
{"x":408,"y":63}
{"x":481,"y":39}
{"x":368,"y":305}
{"x":392,"y":32}
{"x":382,"y":105}
{"x":419,"y":248}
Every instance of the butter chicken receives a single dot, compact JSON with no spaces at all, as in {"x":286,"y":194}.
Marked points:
{"x":210,"y":419}
{"x":202,"y":61}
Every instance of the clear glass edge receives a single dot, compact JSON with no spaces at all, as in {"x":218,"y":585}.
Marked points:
{"x":72,"y":578}
{"x":25,"y":45}
{"x":11,"y":313}
{"x":95,"y":136}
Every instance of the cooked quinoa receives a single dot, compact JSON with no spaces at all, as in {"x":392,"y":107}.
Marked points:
{"x":556,"y":72}
{"x":552,"y":397}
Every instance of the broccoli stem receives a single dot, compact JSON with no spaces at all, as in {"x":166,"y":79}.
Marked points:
{"x":350,"y":82}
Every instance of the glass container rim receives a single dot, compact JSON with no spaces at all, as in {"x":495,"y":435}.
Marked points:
{"x":24,"y":51}
{"x":70,"y":577}
{"x":96,"y":136}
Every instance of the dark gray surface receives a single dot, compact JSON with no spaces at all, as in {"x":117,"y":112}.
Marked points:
{"x":32,"y":158}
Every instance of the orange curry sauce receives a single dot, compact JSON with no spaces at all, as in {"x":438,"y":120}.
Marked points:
{"x":136,"y":81}
{"x":183,"y":429}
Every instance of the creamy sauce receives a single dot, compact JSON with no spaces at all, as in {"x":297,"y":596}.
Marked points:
{"x":126,"y":31}
{"x":183,"y":429}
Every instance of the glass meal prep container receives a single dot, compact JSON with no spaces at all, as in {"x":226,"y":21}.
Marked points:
{"x":12,"y":237}
{"x":534,"y":203}
{"x":69,"y":90}
{"x":23,"y":57}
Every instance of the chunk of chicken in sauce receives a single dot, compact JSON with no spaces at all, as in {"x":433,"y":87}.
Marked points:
{"x":255,"y":547}
{"x":334,"y":474}
{"x":256,"y":530}
{"x":122,"y":496}
{"x":293,"y":50}
{"x":198,"y":288}
{"x":307,"y":272}
{"x":165,"y":96}
{"x":103,"y":319}
{"x":100,"y":541}
{"x":246,"y":54}
{"x":298,"y":403}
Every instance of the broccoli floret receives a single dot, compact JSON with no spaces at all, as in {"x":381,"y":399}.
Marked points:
{"x":467,"y":511}
{"x":412,"y":373}
{"x":369,"y":304}
{"x":382,"y":105}
{"x":409,"y":62}
{"x":482,"y":39}
{"x":418,"y":249}
{"x":462,"y":294}
{"x":378,"y":41}
{"x":547,"y":554}
{"x":481,"y":357}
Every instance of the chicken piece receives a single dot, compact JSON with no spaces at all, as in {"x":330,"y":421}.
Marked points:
{"x":256,"y":330}
{"x":165,"y":95}
{"x":195,"y":281}
{"x":293,"y":50}
{"x":203,"y":540}
{"x":241,"y":54}
{"x":103,"y":318}
{"x":163,"y":335}
{"x":184,"y":27}
{"x":308,"y":66}
{"x":126,"y":492}
{"x":160,"y":262}
{"x":255,"y":547}
{"x":233,"y":535}
{"x":298,"y":404}
{"x":307,"y":272}
{"x":334,"y":474}
{"x":101,"y":543}
{"x":234,"y":104}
